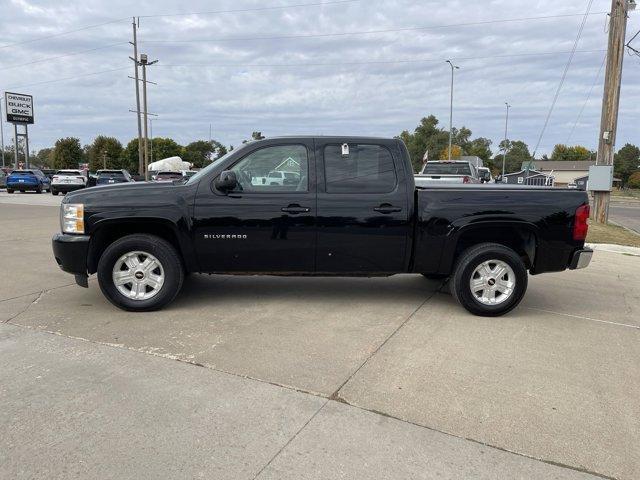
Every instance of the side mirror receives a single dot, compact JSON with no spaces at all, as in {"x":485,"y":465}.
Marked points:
{"x":227,"y":181}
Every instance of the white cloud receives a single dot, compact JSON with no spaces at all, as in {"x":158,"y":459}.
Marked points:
{"x":345,"y":97}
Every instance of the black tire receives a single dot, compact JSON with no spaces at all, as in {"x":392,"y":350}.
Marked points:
{"x":38,"y":189}
{"x":54,"y":192}
{"x":159,"y":248}
{"x":465,"y":267}
{"x":9,"y":190}
{"x":434,"y":276}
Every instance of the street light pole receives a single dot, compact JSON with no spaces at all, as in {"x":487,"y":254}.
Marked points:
{"x":506,"y":126}
{"x":453,"y":67}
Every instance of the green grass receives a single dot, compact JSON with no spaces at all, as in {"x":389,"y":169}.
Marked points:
{"x":609,"y":233}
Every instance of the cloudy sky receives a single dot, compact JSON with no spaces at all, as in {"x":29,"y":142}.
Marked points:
{"x":363,"y":67}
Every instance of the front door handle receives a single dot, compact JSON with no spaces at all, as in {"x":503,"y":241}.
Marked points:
{"x":387,"y":208}
{"x":294,"y":209}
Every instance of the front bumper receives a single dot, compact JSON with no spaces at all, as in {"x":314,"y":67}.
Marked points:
{"x":581,"y":258}
{"x":70,"y":252}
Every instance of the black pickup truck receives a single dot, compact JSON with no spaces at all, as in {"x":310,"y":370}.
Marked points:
{"x":345,"y":206}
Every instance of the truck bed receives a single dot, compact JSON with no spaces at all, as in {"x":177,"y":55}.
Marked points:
{"x":542,"y":217}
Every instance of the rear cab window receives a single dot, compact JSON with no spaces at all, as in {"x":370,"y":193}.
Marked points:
{"x":367,"y":168}
{"x":447,"y":169}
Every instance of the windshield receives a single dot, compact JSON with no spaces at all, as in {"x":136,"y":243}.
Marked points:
{"x":447,"y":169}
{"x":196,"y":178}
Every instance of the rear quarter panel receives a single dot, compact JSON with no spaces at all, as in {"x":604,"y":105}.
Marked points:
{"x":444,"y":214}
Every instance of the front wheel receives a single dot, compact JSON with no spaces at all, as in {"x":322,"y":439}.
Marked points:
{"x":489,"y":280}
{"x":9,"y":190}
{"x":54,"y":192}
{"x":140,"y":273}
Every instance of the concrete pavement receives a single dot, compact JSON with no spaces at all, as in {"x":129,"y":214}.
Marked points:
{"x":626,"y":214}
{"x":314,"y":378}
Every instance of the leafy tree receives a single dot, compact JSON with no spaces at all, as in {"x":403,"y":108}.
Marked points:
{"x":165,"y":148}
{"x":575,"y":153}
{"x":200,"y":153}
{"x":517,"y":153}
{"x":634,"y":180}
{"x":67,"y":153}
{"x":626,"y":161}
{"x":426,"y":137}
{"x":44,"y":158}
{"x":456,"y":153}
{"x":129,"y":156}
{"x":105,"y":150}
{"x":479,"y":147}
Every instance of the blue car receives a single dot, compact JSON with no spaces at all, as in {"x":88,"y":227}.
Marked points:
{"x":28,"y":180}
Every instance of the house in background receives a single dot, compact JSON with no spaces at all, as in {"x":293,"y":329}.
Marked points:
{"x":563,"y":172}
{"x":528,"y":176}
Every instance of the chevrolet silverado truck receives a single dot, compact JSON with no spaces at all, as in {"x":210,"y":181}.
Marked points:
{"x":354,"y":211}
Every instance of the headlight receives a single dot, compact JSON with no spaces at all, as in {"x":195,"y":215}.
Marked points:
{"x":72,"y":218}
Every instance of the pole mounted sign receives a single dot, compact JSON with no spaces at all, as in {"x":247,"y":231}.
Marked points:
{"x":19,"y":111}
{"x":19,"y":107}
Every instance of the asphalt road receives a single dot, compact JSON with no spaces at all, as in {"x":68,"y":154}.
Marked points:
{"x":626,"y":214}
{"x":289,"y":378}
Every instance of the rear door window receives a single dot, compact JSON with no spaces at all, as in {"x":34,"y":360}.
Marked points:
{"x":364,"y":169}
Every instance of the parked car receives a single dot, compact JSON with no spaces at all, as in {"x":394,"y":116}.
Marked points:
{"x":108,"y":177}
{"x":65,"y":181}
{"x":283,"y":178}
{"x":357,"y":213}
{"x":49,"y":172}
{"x":3,"y":179}
{"x":26,"y":180}
{"x":168,"y":176}
{"x":443,"y":171}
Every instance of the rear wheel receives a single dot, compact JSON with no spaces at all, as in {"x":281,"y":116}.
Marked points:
{"x":489,"y":280}
{"x":38,"y":189}
{"x":9,"y":190}
{"x":140,"y":273}
{"x":53,"y":191}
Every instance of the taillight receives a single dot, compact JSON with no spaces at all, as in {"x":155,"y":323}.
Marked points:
{"x":581,"y":223}
{"x":466,"y":179}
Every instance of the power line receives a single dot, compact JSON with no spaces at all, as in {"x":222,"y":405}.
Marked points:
{"x":593,"y":85}
{"x":373,"y":62}
{"x":64,"y":55}
{"x":318,"y":64}
{"x":564,"y":76}
{"x":255,"y":9}
{"x":60,"y":34}
{"x":370,"y":32}
{"x":69,"y":78}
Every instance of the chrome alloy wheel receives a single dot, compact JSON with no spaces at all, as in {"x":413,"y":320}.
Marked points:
{"x":138,"y":275}
{"x":492,"y":282}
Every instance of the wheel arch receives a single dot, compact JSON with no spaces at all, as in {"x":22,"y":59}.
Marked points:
{"x":108,"y":231}
{"x":522,"y":237}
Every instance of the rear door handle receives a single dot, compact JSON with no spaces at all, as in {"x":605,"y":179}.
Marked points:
{"x":387,"y":208}
{"x":294,"y":209}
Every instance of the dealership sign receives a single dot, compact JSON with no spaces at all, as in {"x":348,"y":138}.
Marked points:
{"x":19,"y":107}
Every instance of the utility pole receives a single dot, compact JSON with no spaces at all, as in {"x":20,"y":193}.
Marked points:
{"x":2,"y":134}
{"x":453,"y":67}
{"x":151,"y":132}
{"x":611,"y":99}
{"x":137,"y":80}
{"x":104,"y":159}
{"x":506,"y":126}
{"x":145,"y":62}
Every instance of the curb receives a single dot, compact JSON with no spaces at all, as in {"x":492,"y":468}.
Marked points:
{"x":608,"y":247}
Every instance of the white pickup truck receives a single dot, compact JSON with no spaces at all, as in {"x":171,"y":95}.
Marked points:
{"x":65,"y":181}
{"x":444,"y":171}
